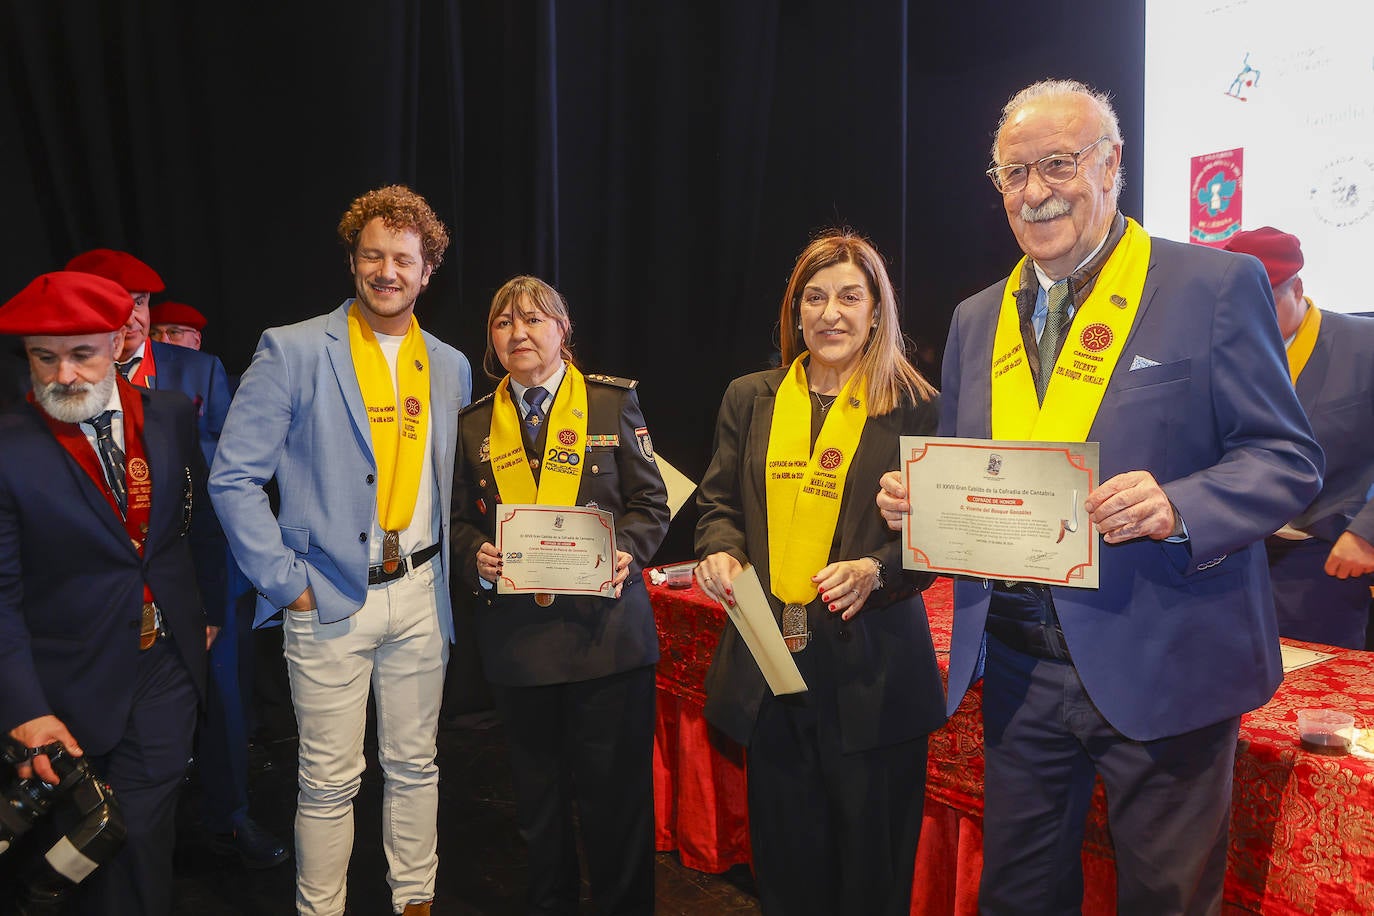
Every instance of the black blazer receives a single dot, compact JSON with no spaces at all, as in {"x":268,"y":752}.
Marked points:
{"x":71,"y":583}
{"x":576,"y":638}
{"x":887,"y":682}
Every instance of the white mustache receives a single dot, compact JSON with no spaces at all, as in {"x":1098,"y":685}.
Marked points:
{"x":1053,"y":208}
{"x":74,"y":390}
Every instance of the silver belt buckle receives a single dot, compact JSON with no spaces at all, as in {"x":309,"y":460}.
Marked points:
{"x":794,"y":632}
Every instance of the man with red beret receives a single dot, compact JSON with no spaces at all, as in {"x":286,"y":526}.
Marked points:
{"x":103,"y":632}
{"x":1321,"y":564}
{"x":176,"y":323}
{"x":149,"y":364}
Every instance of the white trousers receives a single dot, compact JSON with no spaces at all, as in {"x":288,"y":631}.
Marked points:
{"x":395,"y":646}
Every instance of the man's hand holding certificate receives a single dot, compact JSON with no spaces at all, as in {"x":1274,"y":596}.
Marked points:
{"x":1000,"y":509}
{"x":555,"y":550}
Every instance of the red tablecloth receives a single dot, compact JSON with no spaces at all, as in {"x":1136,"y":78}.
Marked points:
{"x":1302,"y":825}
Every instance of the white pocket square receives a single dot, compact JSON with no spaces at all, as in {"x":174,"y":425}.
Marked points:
{"x":1142,"y":362}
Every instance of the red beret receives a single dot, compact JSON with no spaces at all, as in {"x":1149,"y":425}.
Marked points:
{"x":121,"y":267}
{"x":176,"y":313}
{"x":66,"y":304}
{"x":1280,"y":252}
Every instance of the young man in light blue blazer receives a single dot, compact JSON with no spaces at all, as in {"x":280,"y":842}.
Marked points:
{"x":355,"y":413}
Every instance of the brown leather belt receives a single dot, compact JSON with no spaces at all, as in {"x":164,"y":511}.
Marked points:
{"x":376,"y":575}
{"x":148,"y":627}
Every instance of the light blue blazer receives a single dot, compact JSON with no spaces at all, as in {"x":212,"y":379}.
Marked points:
{"x":1178,"y":635}
{"x":298,"y":416}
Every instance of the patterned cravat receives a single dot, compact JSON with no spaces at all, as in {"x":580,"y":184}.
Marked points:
{"x":1052,"y":338}
{"x":127,"y":369}
{"x":111,"y":456}
{"x":535,"y":398}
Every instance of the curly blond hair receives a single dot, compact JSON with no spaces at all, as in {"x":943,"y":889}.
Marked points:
{"x":400,"y":209}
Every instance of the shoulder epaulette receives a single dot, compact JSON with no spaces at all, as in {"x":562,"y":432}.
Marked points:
{"x":477,"y":403}
{"x":612,"y":380}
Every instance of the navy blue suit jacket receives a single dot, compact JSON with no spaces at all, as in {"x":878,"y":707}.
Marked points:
{"x":201,"y":377}
{"x":1178,"y":635}
{"x":71,"y":582}
{"x":1336,"y":389}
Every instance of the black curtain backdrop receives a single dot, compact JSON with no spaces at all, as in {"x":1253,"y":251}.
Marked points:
{"x":661,"y":163}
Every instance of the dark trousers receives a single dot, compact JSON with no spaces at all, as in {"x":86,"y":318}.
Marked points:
{"x":1311,"y":605}
{"x":222,"y":745}
{"x":588,"y":743}
{"x":146,"y":769}
{"x":832,"y":834}
{"x":1168,"y":801}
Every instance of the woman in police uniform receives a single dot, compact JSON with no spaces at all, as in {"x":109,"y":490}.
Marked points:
{"x":836,"y":775}
{"x":573,"y":676}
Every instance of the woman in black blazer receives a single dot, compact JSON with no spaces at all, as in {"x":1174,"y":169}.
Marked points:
{"x":836,"y":775}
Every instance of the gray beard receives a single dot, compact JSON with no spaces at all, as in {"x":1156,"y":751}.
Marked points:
{"x":74,"y":403}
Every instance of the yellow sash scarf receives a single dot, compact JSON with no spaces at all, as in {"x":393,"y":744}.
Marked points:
{"x":561,"y":471}
{"x":1304,"y":340}
{"x":802,"y":516}
{"x":1095,"y":342}
{"x":396,"y":416}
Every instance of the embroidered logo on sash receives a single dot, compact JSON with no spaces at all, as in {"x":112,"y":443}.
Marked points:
{"x":831,"y":458}
{"x":138,"y":469}
{"x":1096,"y":337}
{"x":567,"y":437}
{"x":413,"y":407}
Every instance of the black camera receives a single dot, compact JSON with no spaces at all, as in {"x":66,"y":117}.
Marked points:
{"x":94,"y":837}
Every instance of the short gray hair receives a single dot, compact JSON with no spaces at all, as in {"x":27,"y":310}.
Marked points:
{"x":1110,"y":126}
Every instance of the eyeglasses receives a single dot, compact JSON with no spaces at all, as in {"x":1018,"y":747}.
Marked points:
{"x":1056,"y":168}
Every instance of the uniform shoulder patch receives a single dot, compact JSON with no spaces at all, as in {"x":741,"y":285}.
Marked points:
{"x":477,"y":403}
{"x":612,"y":380}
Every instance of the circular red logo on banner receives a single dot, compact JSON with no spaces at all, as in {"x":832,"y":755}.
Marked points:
{"x":1096,"y":337}
{"x":138,"y":469}
{"x":412,"y":407}
{"x":567,"y":437}
{"x":831,"y":458}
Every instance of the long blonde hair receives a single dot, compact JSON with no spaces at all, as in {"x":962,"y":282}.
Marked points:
{"x":891,"y":376}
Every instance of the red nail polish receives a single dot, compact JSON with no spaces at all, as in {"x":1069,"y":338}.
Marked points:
{"x":832,"y":607}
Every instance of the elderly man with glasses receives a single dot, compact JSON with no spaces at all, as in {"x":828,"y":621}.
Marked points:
{"x":1169,"y":357}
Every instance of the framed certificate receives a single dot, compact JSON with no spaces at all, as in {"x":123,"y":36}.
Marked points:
{"x":1000,"y":509}
{"x":555,"y":550}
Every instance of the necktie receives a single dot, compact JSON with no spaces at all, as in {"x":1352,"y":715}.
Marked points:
{"x":111,"y":456}
{"x":535,"y":398}
{"x":1052,"y":338}
{"x":126,"y":369}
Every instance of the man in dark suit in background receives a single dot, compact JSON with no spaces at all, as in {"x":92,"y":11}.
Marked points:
{"x":1172,"y":362}
{"x":222,"y":761}
{"x":176,"y":323}
{"x":1321,"y":564}
{"x":103,"y":632}
{"x":149,"y":364}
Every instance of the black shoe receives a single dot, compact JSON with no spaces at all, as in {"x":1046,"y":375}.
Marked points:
{"x":254,"y":845}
